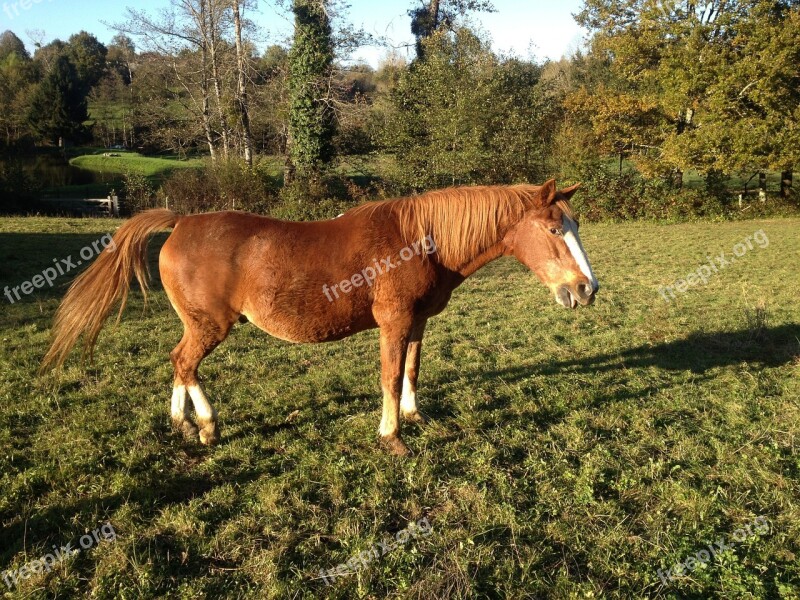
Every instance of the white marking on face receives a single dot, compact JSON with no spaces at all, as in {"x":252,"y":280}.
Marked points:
{"x":573,"y":241}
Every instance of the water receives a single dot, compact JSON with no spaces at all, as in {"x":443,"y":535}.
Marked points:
{"x":55,"y":172}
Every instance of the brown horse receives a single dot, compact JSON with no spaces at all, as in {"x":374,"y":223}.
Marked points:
{"x":391,"y":264}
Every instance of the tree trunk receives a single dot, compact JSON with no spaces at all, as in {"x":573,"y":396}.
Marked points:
{"x":677,"y":179}
{"x":204,"y":85}
{"x":213,"y":35}
{"x":762,"y":187}
{"x":434,"y":12}
{"x":242,"y":100}
{"x":786,"y":184}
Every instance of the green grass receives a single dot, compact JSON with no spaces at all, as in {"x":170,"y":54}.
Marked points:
{"x":125,"y":162}
{"x":570,"y":454}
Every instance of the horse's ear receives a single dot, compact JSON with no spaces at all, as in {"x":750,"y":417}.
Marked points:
{"x":547,"y":193}
{"x":570,"y":191}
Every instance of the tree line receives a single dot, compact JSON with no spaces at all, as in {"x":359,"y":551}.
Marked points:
{"x":662,"y":88}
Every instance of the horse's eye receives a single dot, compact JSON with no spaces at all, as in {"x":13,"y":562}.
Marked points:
{"x":555,"y":231}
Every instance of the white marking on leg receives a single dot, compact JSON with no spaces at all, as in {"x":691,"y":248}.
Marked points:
{"x":573,"y":241}
{"x":202,"y":407}
{"x":179,"y":403}
{"x":408,"y":402}
{"x":389,"y":424}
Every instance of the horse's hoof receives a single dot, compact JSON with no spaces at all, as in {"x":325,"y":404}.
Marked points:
{"x":187,"y":429}
{"x":395,"y":445}
{"x":209,"y":435}
{"x":416,"y":417}
{"x":190,"y":431}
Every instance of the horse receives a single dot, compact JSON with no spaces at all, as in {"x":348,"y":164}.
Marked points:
{"x":390,"y":264}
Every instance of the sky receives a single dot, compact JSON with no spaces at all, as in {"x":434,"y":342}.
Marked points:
{"x":530,"y":29}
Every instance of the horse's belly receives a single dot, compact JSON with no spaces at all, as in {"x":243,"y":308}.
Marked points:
{"x":299,"y":322}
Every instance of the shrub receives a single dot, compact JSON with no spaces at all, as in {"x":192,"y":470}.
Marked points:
{"x":220,"y":186}
{"x":18,"y":191}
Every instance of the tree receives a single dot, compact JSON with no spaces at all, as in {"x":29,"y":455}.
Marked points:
{"x":429,"y":16}
{"x":311,"y":116}
{"x":463,"y":116}
{"x":242,"y":100}
{"x":121,"y":57}
{"x":202,"y":42}
{"x":11,"y":44}
{"x":58,"y":107}
{"x":18,"y":75}
{"x":708,"y":85}
{"x":89,"y":57}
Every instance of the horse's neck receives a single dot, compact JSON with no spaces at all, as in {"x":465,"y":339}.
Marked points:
{"x":484,"y":258}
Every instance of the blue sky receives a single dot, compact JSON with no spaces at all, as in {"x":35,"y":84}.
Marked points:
{"x":539,"y":28}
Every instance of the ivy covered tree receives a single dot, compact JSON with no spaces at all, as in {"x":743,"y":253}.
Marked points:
{"x":311,"y":116}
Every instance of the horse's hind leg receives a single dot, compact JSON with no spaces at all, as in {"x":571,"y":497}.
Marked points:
{"x":180,"y":411}
{"x":199,"y":340}
{"x":181,"y":421}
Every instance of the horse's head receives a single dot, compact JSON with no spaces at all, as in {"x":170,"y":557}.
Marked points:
{"x":546,"y":241}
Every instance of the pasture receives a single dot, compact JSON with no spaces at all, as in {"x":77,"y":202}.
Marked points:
{"x":569,"y":454}
{"x":121,"y":161}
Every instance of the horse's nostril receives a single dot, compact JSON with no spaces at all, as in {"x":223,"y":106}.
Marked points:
{"x":585,"y":290}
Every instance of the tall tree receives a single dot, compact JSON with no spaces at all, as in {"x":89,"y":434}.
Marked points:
{"x":431,"y":14}
{"x":121,"y":57}
{"x":463,"y":116}
{"x":59,"y":108}
{"x":89,"y":57}
{"x":311,"y":116}
{"x":18,"y":77}
{"x":242,"y":101}
{"x":11,"y":44}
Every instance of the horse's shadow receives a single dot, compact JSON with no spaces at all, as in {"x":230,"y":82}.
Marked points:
{"x":699,"y":353}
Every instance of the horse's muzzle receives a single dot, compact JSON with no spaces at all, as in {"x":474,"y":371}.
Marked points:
{"x":583,"y":294}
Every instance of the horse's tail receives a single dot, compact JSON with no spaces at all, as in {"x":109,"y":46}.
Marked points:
{"x":95,"y":292}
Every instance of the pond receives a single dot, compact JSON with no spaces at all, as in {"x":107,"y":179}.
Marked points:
{"x":52,"y":173}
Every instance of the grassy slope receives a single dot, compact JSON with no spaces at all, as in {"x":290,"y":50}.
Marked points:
{"x":148,"y":166}
{"x":571,"y":454}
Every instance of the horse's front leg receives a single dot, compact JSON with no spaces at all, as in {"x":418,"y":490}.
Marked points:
{"x":408,"y":403}
{"x":394,"y":346}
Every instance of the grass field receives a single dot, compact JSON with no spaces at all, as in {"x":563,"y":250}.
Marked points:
{"x":569,"y":454}
{"x":105,"y":161}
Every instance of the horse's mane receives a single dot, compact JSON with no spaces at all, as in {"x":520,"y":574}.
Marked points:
{"x":463,"y":221}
